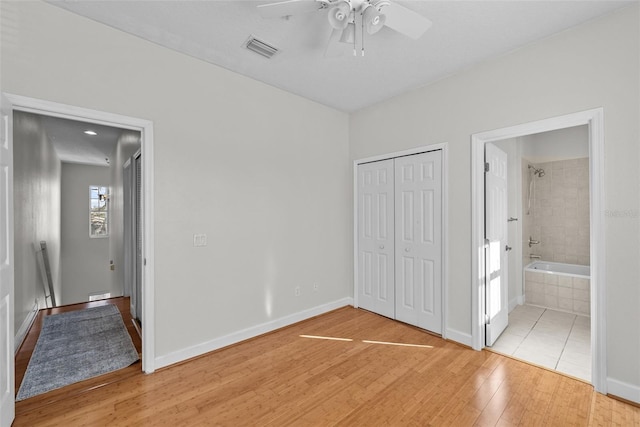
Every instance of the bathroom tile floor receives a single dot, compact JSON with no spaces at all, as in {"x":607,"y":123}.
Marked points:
{"x":549,"y":338}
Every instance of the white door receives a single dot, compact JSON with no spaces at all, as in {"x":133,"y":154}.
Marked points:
{"x":496,"y":296}
{"x":129,"y":235}
{"x":7,"y":386}
{"x":418,"y":240}
{"x":137,"y":176}
{"x":375,"y":237}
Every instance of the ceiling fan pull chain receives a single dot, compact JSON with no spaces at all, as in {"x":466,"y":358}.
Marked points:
{"x":362,"y":32}
{"x":355,"y":31}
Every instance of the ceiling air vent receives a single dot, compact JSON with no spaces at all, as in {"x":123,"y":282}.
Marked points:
{"x":260,"y":47}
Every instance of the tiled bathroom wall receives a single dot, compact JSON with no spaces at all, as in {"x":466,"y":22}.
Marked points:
{"x":566,"y":293}
{"x":558,"y":215}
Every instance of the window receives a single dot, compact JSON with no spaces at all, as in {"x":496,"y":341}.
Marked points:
{"x":98,"y":211}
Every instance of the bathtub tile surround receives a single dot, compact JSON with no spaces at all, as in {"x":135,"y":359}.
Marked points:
{"x":565,"y":293}
{"x":549,"y":338}
{"x":559,"y":212}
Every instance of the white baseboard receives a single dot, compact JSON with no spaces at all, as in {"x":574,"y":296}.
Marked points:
{"x":245,"y":334}
{"x":459,"y":337}
{"x":624,"y":390}
{"x":24,"y":328}
{"x":513,"y":303}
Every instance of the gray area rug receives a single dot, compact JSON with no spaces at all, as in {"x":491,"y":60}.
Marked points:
{"x":76,"y":346}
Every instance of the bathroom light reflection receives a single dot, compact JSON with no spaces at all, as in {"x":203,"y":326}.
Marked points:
{"x":318,"y":337}
{"x":398,"y":344}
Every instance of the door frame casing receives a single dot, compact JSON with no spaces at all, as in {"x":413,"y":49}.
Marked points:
{"x":594,"y":119}
{"x":145,"y":127}
{"x":445,"y":218}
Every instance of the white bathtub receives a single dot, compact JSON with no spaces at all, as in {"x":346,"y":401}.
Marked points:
{"x":574,"y":270}
{"x":558,"y":286}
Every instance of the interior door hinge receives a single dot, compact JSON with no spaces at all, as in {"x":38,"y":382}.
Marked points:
{"x":486,"y":167}
{"x":487,"y":319}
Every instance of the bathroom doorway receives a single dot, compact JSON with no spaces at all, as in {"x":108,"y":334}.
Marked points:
{"x":593,"y":119}
{"x":549,"y":220}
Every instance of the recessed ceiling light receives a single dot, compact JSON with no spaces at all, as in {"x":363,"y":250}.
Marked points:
{"x":91,"y":132}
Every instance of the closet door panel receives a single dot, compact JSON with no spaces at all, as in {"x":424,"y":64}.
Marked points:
{"x":418,"y":242}
{"x":376,"y":289}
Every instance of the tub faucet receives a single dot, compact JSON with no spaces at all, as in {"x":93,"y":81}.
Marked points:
{"x":533,"y":242}
{"x":534,"y":256}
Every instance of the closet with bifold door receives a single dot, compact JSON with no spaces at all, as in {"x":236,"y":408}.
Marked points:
{"x":399,"y":228}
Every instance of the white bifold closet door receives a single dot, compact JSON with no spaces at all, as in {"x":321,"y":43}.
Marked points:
{"x":376,"y":291}
{"x":400,"y":239}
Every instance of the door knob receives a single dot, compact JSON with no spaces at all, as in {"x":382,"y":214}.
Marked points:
{"x":407,"y":249}
{"x":507,"y":248}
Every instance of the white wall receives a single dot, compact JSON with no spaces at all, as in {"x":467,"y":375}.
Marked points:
{"x":590,"y":66}
{"x":128,"y":144}
{"x":85,"y":260}
{"x":36,"y":178}
{"x":562,"y":144}
{"x":265,"y":174}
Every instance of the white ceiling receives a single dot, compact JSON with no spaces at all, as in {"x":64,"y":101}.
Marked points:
{"x":463,"y":33}
{"x":73,"y":146}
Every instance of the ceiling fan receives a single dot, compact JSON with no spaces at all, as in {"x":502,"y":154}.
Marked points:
{"x":345,"y":16}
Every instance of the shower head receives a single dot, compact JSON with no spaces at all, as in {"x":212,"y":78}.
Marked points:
{"x":536,"y":171}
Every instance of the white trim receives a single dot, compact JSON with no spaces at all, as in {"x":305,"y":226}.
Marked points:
{"x":514,"y":302}
{"x":624,"y":390}
{"x":595,"y":120}
{"x":145,"y":127}
{"x":355,"y":234}
{"x":251,"y":332}
{"x":444,"y":147}
{"x":459,"y":337}
{"x":24,"y":328}
{"x":445,"y":242}
{"x":148,"y":256}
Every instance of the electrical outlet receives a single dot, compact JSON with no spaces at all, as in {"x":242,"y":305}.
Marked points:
{"x":315,"y":287}
{"x":297,"y":291}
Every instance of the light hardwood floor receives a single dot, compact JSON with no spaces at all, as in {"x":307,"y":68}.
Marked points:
{"x":289,"y":378}
{"x":26,"y":350}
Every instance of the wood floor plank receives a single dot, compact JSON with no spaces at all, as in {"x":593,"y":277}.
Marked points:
{"x":284,"y":378}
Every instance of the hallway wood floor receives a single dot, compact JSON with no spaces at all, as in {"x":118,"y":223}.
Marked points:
{"x":296,"y":376}
{"x":26,"y":350}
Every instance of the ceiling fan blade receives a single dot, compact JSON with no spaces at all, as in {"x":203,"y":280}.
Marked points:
{"x":405,"y":21}
{"x":289,"y":7}
{"x":334,"y":48}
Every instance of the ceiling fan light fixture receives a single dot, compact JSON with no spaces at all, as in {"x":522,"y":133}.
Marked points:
{"x":373,"y":20}
{"x":349,"y":33}
{"x":339,"y":15}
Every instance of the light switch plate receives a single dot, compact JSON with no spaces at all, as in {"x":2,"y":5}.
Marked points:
{"x":199,"y":240}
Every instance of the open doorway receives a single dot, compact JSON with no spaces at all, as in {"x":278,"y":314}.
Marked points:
{"x":68,"y":187}
{"x":547,"y":290}
{"x":68,"y":197}
{"x":15,"y":103}
{"x":593,"y":120}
